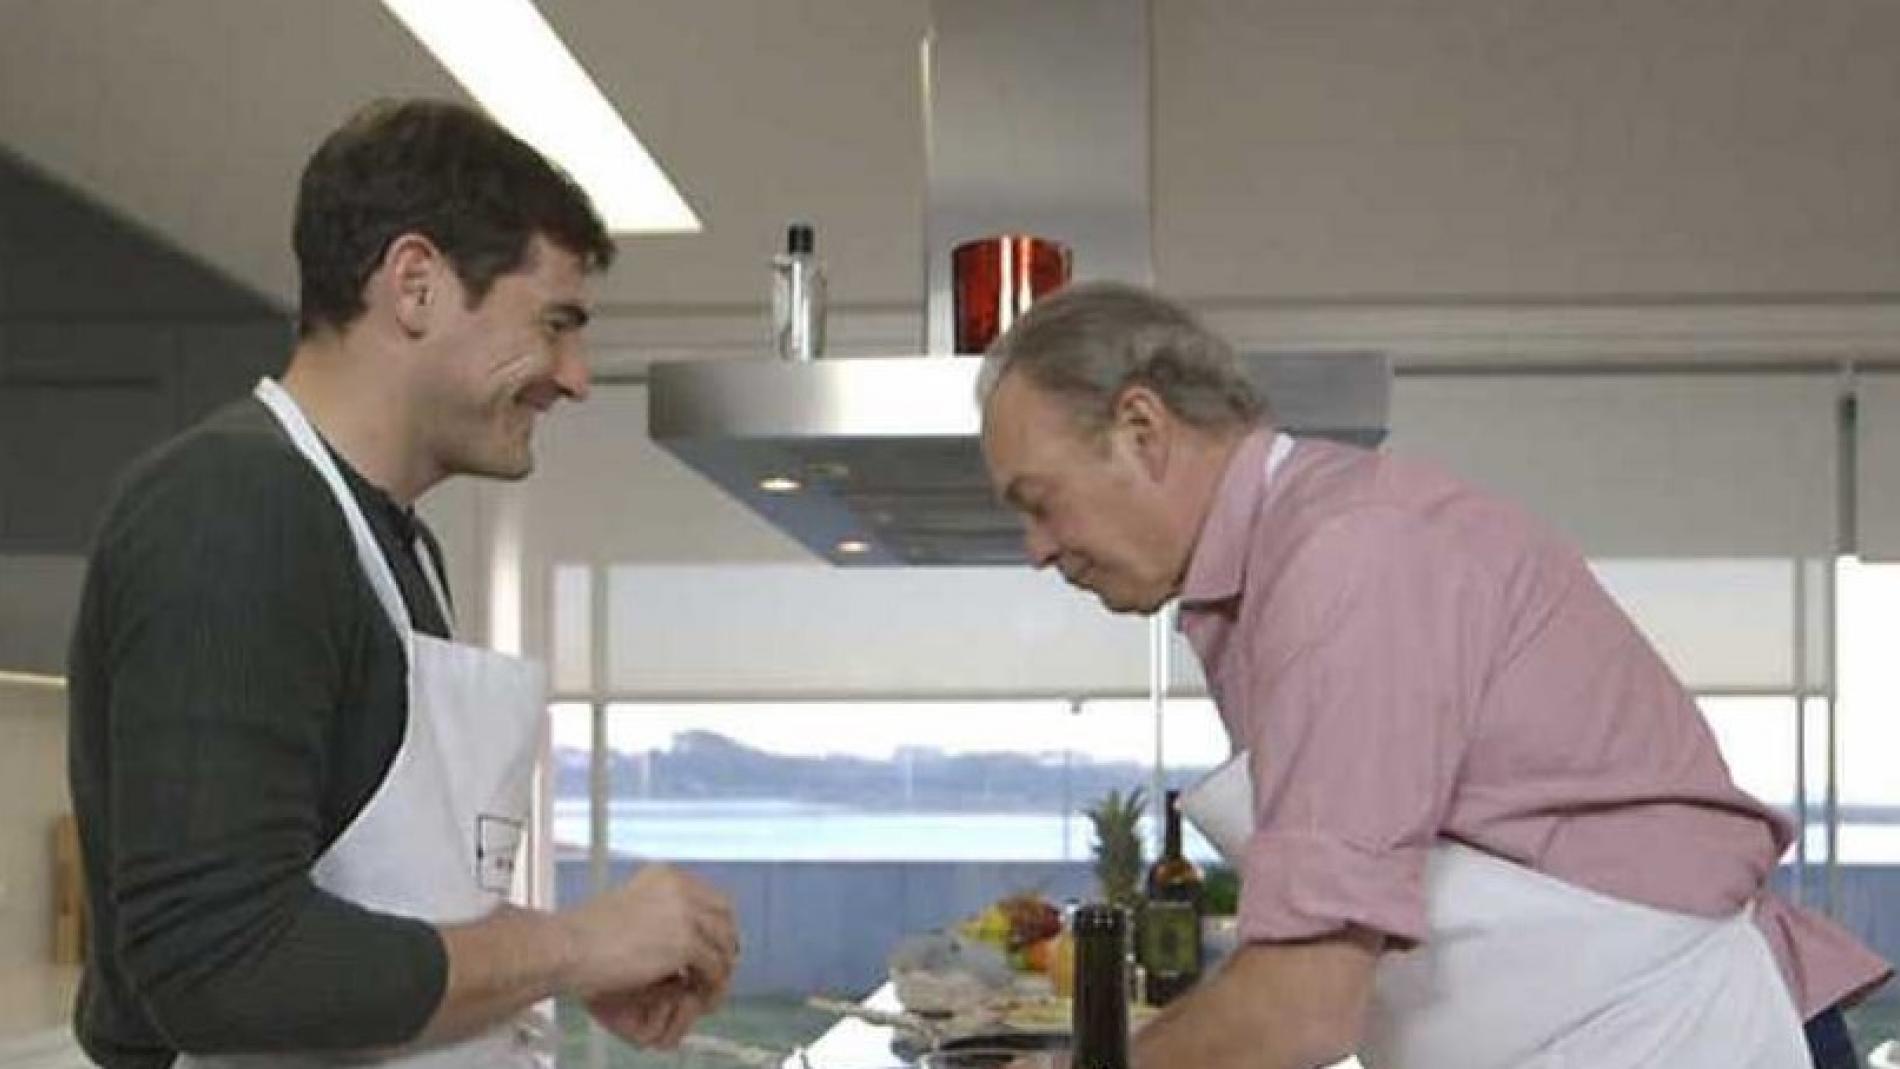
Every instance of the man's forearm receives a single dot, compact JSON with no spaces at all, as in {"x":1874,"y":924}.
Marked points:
{"x":498,"y":966}
{"x":1274,"y":1006}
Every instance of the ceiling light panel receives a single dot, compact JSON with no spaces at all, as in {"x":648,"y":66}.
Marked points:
{"x":514,"y":64}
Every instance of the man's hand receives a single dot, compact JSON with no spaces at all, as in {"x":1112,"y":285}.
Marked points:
{"x":657,"y":1017}
{"x":1294,"y":1005}
{"x":662,"y":925}
{"x":648,"y":957}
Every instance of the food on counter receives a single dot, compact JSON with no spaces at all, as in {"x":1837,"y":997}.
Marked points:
{"x":948,"y":973}
{"x":1118,"y":858}
{"x":1014,"y":922}
{"x":990,"y":927}
{"x":1025,"y":927}
{"x":1052,"y":1013}
{"x":1039,"y":956}
{"x":1062,"y":964}
{"x":1014,"y":949}
{"x":1032,"y":919}
{"x":943,"y":952}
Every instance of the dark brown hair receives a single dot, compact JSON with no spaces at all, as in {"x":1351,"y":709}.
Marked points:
{"x":444,"y":171}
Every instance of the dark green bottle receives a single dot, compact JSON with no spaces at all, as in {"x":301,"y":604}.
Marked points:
{"x":1169,"y":947}
{"x":1100,"y":1012}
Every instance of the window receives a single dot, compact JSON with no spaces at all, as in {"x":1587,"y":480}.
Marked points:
{"x":936,"y":781}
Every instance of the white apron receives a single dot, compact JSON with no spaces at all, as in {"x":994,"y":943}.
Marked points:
{"x":440,"y":837}
{"x":1519,"y":970}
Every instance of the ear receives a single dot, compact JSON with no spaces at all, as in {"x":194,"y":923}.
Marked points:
{"x":413,"y":280}
{"x":1142,"y":420}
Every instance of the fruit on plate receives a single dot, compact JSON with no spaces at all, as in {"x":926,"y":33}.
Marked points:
{"x":991,"y":926}
{"x":1031,"y":919}
{"x":1040,"y":955}
{"x":1012,"y":923}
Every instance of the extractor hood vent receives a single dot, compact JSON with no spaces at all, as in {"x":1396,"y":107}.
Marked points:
{"x":883,"y":452}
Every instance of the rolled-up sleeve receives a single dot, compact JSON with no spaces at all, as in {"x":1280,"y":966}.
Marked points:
{"x":1363,"y":677}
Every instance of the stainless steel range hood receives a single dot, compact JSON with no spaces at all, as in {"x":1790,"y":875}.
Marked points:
{"x":885,"y":450}
{"x":1036,"y":120}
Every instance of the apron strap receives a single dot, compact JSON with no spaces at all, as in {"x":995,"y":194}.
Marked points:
{"x":305,"y":438}
{"x":426,"y":560}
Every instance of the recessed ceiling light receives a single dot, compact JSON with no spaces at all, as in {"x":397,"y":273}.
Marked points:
{"x":514,"y":64}
{"x":780,"y":484}
{"x":853,"y":546}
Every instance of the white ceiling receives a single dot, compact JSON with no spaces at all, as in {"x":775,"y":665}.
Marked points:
{"x":1305,"y":150}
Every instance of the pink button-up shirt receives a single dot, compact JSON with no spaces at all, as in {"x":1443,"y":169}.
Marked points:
{"x":1407,"y":659}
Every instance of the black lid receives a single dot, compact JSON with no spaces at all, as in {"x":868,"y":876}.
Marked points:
{"x":798,"y":238}
{"x":1100,"y":917}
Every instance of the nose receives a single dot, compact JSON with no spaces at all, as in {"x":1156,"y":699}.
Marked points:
{"x":1042,"y":549}
{"x":571,"y":372}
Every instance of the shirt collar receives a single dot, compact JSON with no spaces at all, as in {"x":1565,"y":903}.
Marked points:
{"x":399,"y":518}
{"x":1219,"y":561}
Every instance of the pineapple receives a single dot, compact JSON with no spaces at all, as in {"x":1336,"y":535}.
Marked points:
{"x":1118,"y":860}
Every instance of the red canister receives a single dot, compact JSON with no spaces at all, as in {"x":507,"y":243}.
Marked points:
{"x":997,"y":279}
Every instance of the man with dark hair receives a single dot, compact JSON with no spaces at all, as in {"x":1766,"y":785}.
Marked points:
{"x":1489,"y":828}
{"x":300,"y":800}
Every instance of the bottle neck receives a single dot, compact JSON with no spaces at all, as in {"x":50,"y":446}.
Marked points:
{"x":1171,"y":848}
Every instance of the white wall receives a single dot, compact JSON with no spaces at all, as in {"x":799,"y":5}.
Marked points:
{"x":33,"y":767}
{"x":602,"y":492}
{"x":1642,"y":465}
{"x":1366,"y":150}
{"x":1391,"y":149}
{"x":458,"y":513}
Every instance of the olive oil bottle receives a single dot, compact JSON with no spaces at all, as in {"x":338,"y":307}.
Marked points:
{"x":1169,"y":934}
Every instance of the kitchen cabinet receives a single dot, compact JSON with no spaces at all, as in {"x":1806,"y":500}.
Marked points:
{"x":80,"y":401}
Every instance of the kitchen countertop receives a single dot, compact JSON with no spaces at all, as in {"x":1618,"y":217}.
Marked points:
{"x":36,"y":1003}
{"x":855,"y":1044}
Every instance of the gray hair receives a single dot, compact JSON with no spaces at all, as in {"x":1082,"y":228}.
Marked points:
{"x":1088,"y":342}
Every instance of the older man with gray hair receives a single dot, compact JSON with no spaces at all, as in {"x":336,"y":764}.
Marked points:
{"x":1491,"y":828}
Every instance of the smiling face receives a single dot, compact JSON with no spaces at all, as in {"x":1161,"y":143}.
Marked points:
{"x":496,"y":367}
{"x":1097,"y":507}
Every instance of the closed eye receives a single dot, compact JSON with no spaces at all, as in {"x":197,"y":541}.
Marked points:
{"x":564,"y":319}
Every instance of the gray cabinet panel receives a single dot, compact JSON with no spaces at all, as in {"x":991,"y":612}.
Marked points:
{"x":7,"y":490}
{"x":220,"y":362}
{"x":72,"y":258}
{"x":110,"y":341}
{"x":77,"y":404}
{"x":60,"y":451}
{"x":1877,"y":434}
{"x":79,"y":354}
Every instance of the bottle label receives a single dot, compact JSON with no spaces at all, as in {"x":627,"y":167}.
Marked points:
{"x":1170,"y":938}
